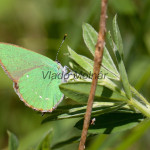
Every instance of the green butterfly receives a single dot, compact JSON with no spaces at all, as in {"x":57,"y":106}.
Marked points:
{"x":30,"y":73}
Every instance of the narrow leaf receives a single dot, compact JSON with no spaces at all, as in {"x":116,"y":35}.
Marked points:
{"x":90,"y":38}
{"x":98,"y":108}
{"x":121,"y":67}
{"x":105,"y":72}
{"x":117,"y":36}
{"x":108,"y":64}
{"x":79,"y":60}
{"x":76,"y":67}
{"x":87,"y":65}
{"x":13,"y":141}
{"x":79,"y":91}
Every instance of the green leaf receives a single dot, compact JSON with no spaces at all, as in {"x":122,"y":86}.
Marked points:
{"x":76,"y":112}
{"x":112,"y":85}
{"x":76,"y":67}
{"x":105,"y":72}
{"x":79,"y":91}
{"x":90,"y":38}
{"x":66,"y":109}
{"x":13,"y":141}
{"x":97,"y":110}
{"x":108,"y":64}
{"x":87,"y":65}
{"x":121,"y":67}
{"x":117,"y":36}
{"x":45,"y":142}
{"x":80,"y":60}
{"x":112,"y":122}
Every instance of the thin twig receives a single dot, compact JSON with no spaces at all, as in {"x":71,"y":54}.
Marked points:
{"x":97,"y":64}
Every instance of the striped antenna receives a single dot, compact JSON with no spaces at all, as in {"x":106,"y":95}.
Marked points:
{"x":60,"y":46}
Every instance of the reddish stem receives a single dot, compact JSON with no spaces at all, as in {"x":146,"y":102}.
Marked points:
{"x":97,"y":65}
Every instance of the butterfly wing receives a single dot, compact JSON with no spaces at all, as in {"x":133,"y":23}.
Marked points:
{"x":40,"y":93}
{"x":27,"y":70}
{"x":16,"y":61}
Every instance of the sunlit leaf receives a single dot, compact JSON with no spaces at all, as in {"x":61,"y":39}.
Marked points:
{"x":77,"y":68}
{"x":76,"y":112}
{"x":79,"y":91}
{"x":87,"y":64}
{"x":90,"y":38}
{"x":80,"y":61}
{"x":105,"y":72}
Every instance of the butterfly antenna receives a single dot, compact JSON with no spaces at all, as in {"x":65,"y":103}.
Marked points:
{"x":60,"y":46}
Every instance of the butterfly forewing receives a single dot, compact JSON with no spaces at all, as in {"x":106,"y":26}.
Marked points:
{"x":17,"y":61}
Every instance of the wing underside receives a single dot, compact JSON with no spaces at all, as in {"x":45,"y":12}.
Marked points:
{"x":26,"y":69}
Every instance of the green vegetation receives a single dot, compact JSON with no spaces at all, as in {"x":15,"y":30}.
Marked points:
{"x":119,"y":104}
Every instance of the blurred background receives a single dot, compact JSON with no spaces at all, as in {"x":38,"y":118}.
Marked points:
{"x":40,"y":26}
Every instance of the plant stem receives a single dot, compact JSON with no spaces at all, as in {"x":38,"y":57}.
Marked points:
{"x":97,"y":64}
{"x":140,"y":96}
{"x":143,"y":109}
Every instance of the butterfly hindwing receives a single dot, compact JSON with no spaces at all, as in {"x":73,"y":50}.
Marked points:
{"x":40,"y":93}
